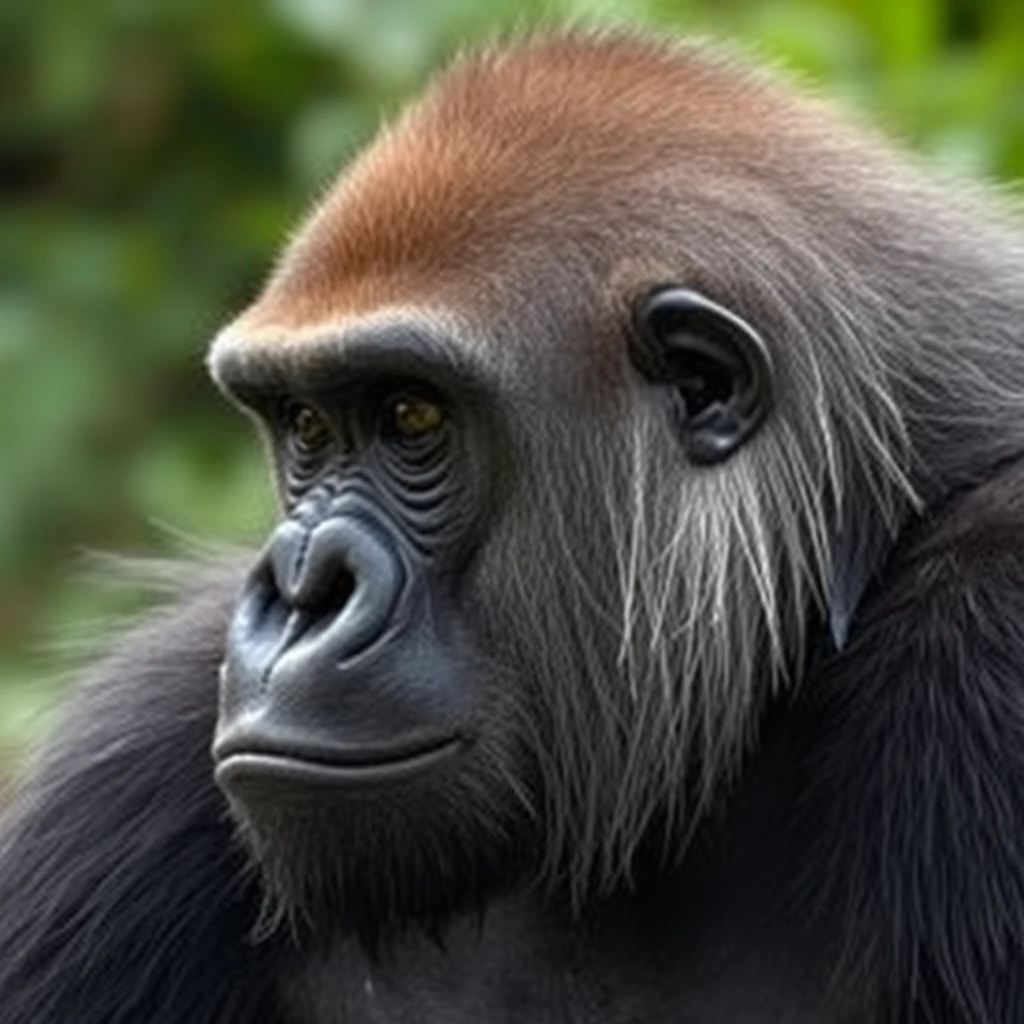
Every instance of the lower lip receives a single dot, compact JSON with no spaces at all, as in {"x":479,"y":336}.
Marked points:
{"x":242,"y":766}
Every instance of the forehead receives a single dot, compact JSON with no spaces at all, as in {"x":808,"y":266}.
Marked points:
{"x":512,"y":169}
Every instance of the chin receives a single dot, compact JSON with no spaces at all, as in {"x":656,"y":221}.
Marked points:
{"x":370,"y":851}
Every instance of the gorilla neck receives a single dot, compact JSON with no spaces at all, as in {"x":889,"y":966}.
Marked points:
{"x":332,"y":885}
{"x":372,"y":880}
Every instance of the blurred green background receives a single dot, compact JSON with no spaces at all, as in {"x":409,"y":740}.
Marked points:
{"x":154,"y":156}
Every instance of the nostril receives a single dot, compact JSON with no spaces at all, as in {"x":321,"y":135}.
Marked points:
{"x":261,"y":618}
{"x":260,"y":604}
{"x":340,"y":586}
{"x":313,"y":618}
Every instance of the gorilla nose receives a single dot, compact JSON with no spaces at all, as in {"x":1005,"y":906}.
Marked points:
{"x":318,"y":594}
{"x":340,"y":576}
{"x":311,"y":568}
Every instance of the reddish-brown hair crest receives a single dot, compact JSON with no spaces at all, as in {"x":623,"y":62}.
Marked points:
{"x":511,"y":151}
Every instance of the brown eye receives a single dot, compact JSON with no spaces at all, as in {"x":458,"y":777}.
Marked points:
{"x":308,"y":430}
{"x":413,"y":416}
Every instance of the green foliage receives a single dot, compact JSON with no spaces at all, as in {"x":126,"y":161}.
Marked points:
{"x":157,"y":152}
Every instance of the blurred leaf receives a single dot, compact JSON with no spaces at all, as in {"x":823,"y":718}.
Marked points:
{"x":325,"y":134}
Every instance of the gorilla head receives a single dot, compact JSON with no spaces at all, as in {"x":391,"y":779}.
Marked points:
{"x":577,"y":436}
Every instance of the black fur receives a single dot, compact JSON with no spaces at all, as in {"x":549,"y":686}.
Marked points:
{"x":123,"y":897}
{"x":915,"y":785}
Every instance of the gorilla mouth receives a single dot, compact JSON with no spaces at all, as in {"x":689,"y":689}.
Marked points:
{"x":344,"y":765}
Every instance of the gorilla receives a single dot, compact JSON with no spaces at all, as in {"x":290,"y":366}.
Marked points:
{"x":642,"y":639}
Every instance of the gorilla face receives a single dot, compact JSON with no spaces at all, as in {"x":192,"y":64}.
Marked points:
{"x":432,"y":627}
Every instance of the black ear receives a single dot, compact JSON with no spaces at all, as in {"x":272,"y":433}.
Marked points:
{"x":715,"y":362}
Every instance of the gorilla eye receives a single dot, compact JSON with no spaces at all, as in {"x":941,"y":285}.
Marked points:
{"x":307,"y":430}
{"x":409,"y":416}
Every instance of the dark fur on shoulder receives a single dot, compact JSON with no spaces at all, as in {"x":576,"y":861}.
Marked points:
{"x":124,"y":896}
{"x":915,"y":770}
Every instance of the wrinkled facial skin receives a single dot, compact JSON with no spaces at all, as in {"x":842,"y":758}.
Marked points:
{"x":354,"y":739}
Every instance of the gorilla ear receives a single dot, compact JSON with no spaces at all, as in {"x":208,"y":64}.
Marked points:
{"x":715,"y":362}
